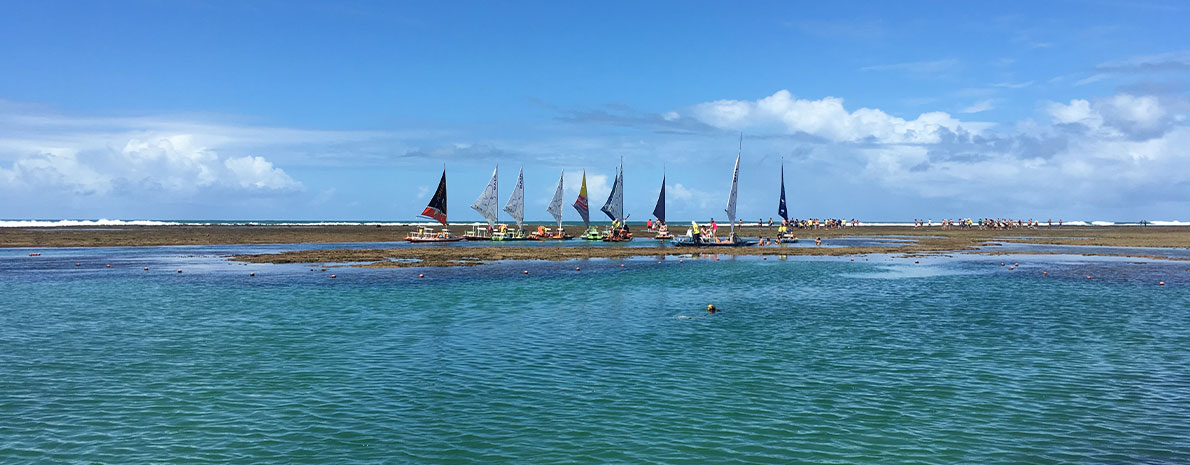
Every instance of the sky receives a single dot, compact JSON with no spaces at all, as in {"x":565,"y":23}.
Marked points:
{"x":880,"y":111}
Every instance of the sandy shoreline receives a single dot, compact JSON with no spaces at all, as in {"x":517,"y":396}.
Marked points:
{"x":923,"y":241}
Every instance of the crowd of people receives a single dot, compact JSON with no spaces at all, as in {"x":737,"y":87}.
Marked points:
{"x":985,"y":223}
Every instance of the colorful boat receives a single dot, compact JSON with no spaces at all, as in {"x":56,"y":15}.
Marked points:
{"x":614,"y":209}
{"x":436,"y":210}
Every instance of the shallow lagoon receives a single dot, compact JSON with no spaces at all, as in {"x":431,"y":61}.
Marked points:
{"x":814,"y":359}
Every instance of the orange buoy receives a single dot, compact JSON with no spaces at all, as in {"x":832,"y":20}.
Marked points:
{"x":333,"y":276}
{"x":1011,"y":268}
{"x":1088,"y":276}
{"x":80,"y":264}
{"x":576,"y":268}
{"x":179,"y":271}
{"x":526,"y":271}
{"x":1045,"y":272}
{"x":1162,"y":283}
{"x":1016,"y":264}
{"x":621,"y":265}
{"x":421,"y":275}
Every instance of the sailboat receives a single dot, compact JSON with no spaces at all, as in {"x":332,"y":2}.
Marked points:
{"x":784,"y":235}
{"x":436,"y":210}
{"x":733,"y":240}
{"x":659,"y":212}
{"x":555,"y":208}
{"x":591,"y":233}
{"x":516,"y":208}
{"x":486,"y":206}
{"x":614,"y":209}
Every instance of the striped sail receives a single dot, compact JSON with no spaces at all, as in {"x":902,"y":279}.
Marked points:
{"x":581,"y":203}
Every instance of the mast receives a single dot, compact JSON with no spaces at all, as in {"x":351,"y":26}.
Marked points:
{"x":555,"y":207}
{"x":735,"y":179}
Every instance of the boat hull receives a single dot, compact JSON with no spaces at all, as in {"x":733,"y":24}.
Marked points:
{"x":419,"y":240}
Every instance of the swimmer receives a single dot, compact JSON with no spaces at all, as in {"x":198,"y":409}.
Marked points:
{"x":818,"y":241}
{"x":711,"y":309}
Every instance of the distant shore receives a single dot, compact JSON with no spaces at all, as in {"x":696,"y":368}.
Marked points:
{"x":927,"y":240}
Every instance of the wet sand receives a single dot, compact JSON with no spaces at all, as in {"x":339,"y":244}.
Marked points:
{"x":921,"y":242}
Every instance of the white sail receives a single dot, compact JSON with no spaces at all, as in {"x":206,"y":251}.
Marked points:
{"x":516,"y":203}
{"x":614,"y":207}
{"x":735,"y":180}
{"x":555,"y":207}
{"x":487,"y":203}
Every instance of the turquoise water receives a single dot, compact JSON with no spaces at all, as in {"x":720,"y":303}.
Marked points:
{"x":880,"y":360}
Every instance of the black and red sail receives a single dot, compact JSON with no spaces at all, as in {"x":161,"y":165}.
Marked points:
{"x":436,"y":210}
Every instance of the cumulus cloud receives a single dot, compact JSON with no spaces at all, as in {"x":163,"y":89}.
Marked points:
{"x":1101,"y":151}
{"x":827,"y":118}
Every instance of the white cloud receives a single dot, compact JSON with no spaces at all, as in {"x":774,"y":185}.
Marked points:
{"x":258,"y":173}
{"x":828,"y":118}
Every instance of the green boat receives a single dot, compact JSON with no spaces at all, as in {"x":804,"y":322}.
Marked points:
{"x":592,"y":234}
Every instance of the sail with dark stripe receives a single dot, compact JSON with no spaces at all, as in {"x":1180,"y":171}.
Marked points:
{"x":436,"y":210}
{"x":659,"y":210}
{"x":581,"y":203}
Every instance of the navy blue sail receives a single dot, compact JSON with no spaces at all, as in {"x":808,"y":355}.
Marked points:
{"x":659,"y":210}
{"x":781,"y":210}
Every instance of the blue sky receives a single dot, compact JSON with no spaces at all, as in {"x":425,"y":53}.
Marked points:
{"x":349,"y":110}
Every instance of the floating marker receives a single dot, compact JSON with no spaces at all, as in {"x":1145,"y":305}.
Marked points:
{"x":681,"y":261}
{"x":1088,"y":276}
{"x":146,"y":268}
{"x":765,"y":258}
{"x":621,"y":265}
{"x":915,"y":261}
{"x":80,"y":264}
{"x":333,"y":276}
{"x":576,"y":268}
{"x":1001,"y":263}
{"x":1162,"y":283}
{"x":658,"y":262}
{"x":1045,"y":272}
{"x":179,"y":271}
{"x":421,"y":275}
{"x":251,"y":274}
{"x":1011,"y":268}
{"x":109,"y":266}
{"x":526,"y":271}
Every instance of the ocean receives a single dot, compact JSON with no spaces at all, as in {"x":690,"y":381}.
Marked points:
{"x":955,"y":359}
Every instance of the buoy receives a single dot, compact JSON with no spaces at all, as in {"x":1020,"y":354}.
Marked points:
{"x":1045,"y":272}
{"x":1001,"y":263}
{"x":1011,"y":268}
{"x":853,"y":259}
{"x":179,"y":271}
{"x":251,"y":274}
{"x":333,"y":276}
{"x":658,"y":262}
{"x":1162,"y":283}
{"x":915,"y":261}
{"x":576,"y":268}
{"x":1016,"y":264}
{"x":526,"y":271}
{"x":80,"y":264}
{"x":146,"y":268}
{"x":1088,"y":276}
{"x":765,"y":258}
{"x":109,"y":266}
{"x":621,"y":265}
{"x":681,"y":261}
{"x":421,"y":275}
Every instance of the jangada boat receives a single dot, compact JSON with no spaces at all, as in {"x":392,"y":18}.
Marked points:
{"x":591,"y":233}
{"x":734,"y":240}
{"x":555,"y":208}
{"x":516,"y":208}
{"x":486,"y":206}
{"x":436,"y":210}
{"x":662,"y":231}
{"x":614,"y":209}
